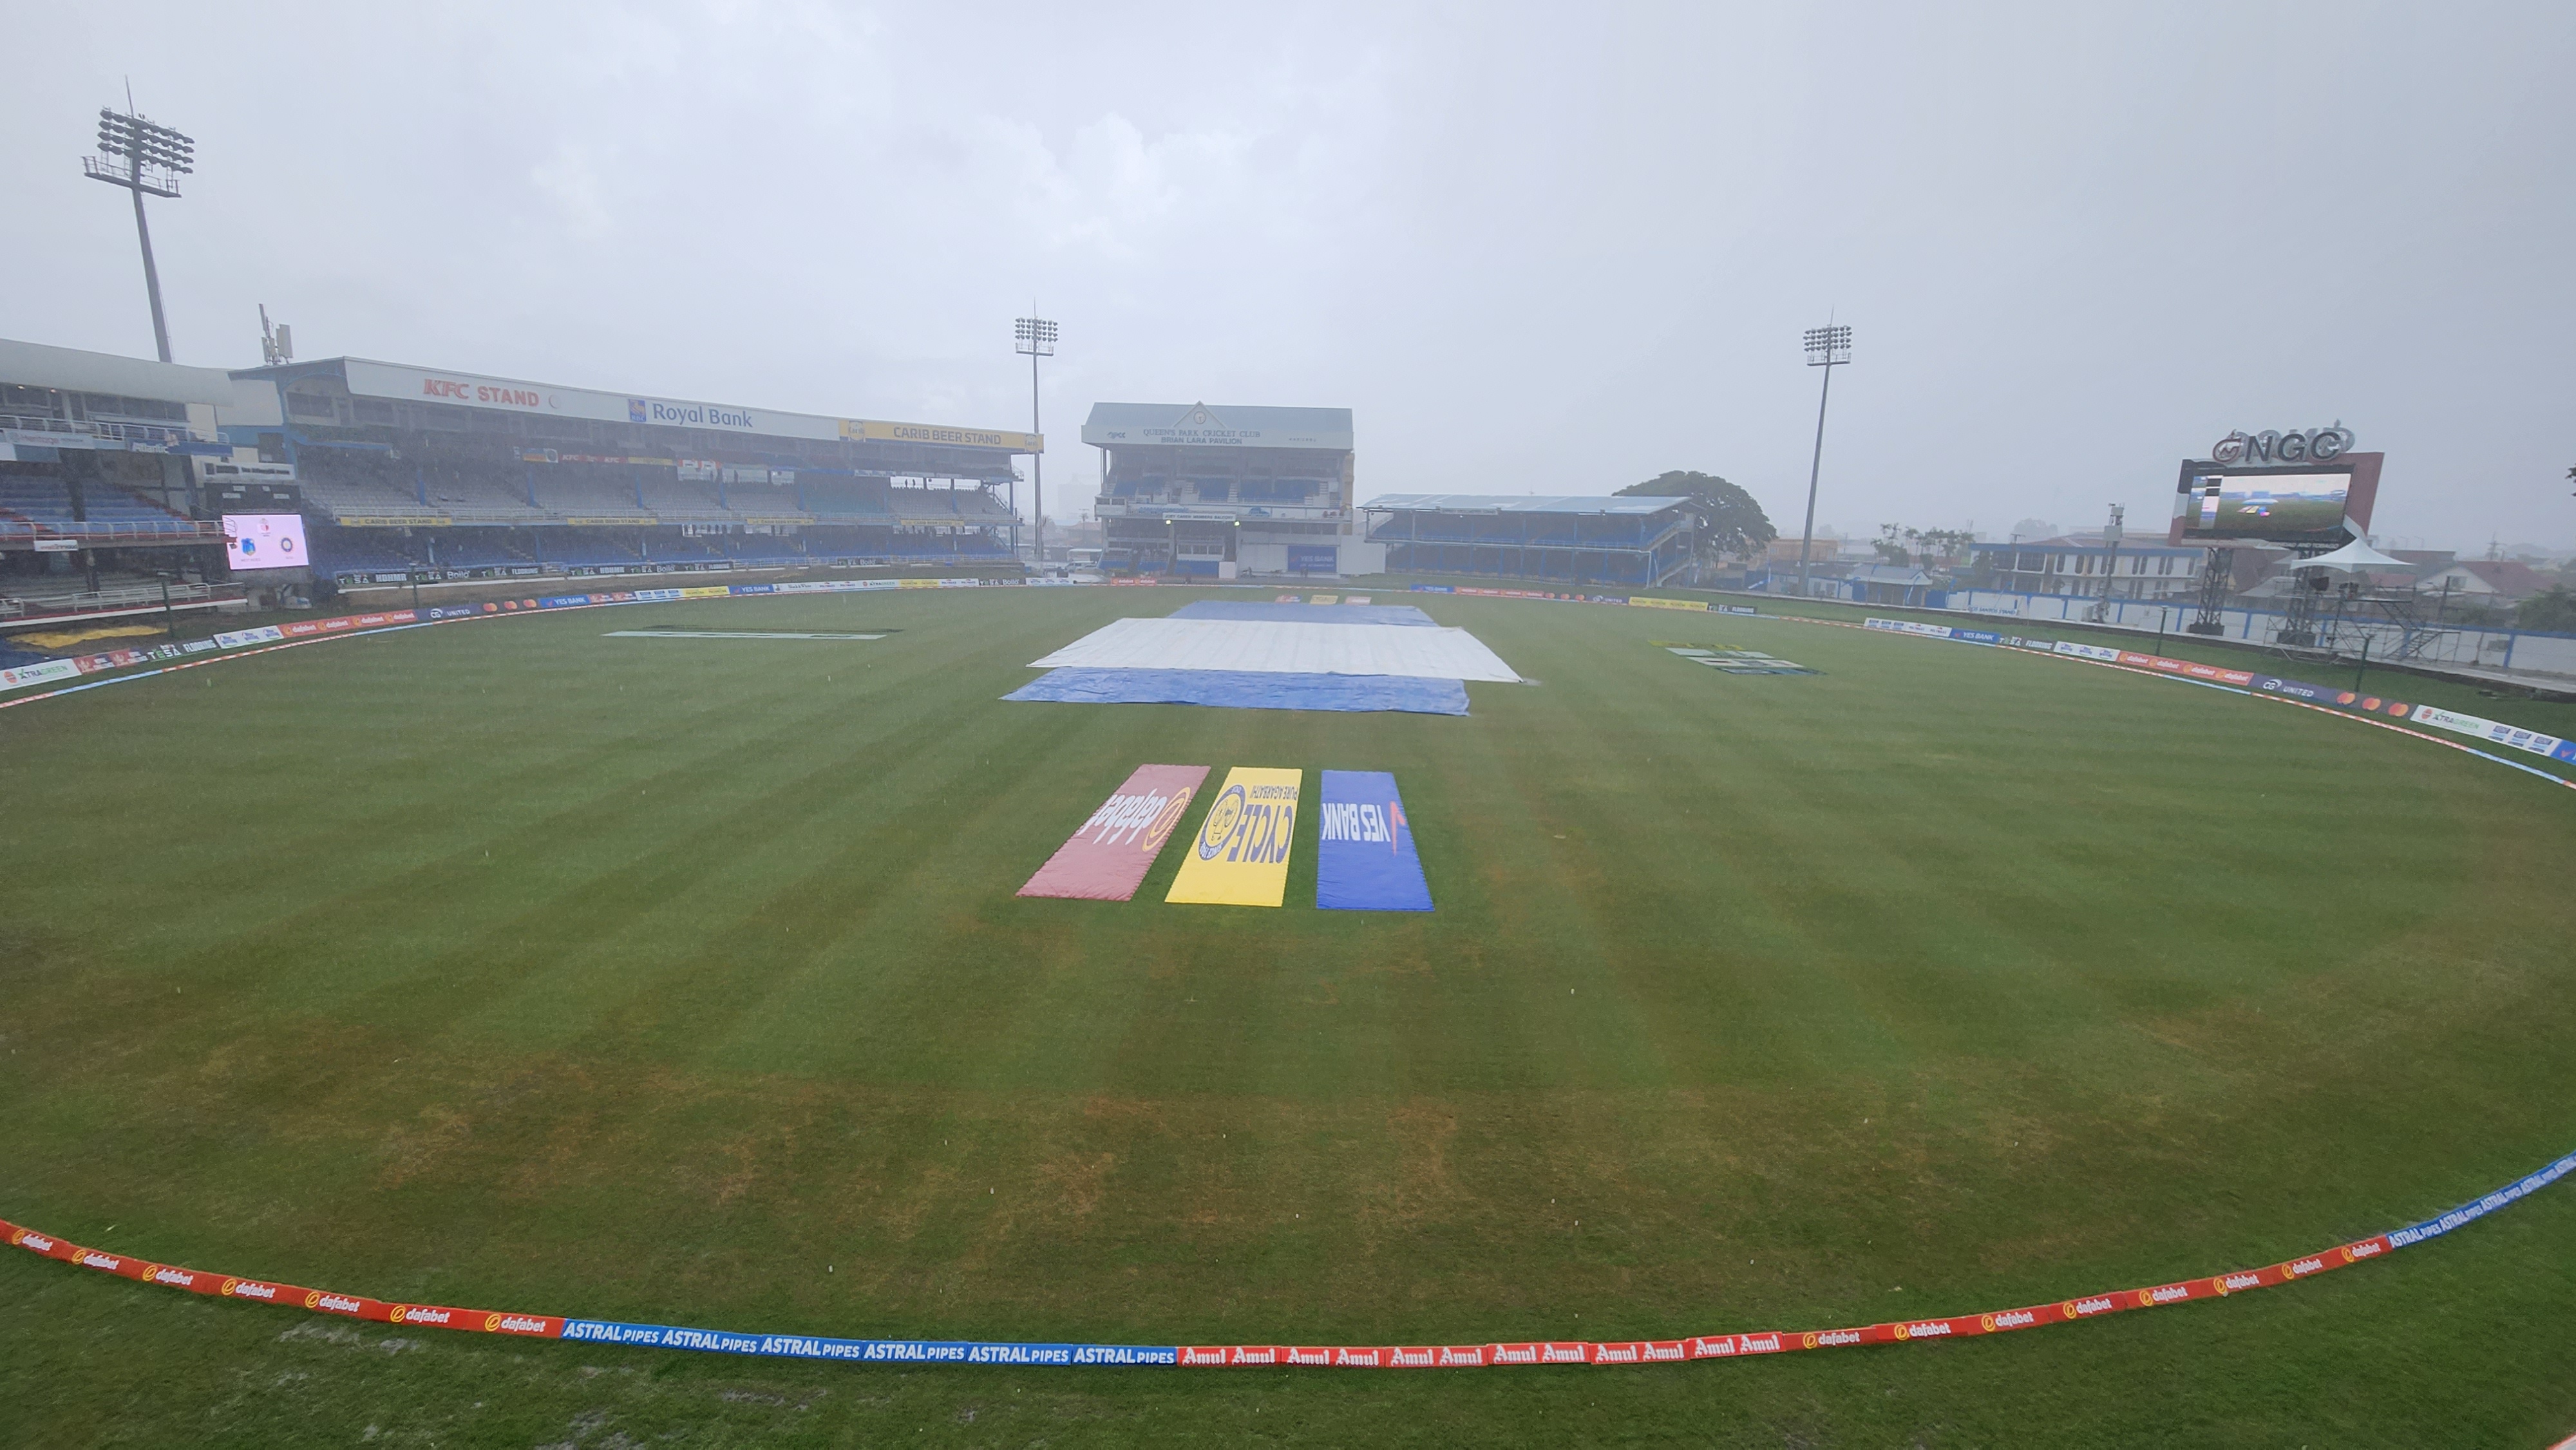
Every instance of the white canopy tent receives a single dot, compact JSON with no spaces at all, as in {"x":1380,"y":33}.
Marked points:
{"x":2353,"y":558}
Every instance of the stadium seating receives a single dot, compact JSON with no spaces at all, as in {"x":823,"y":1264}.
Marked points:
{"x":352,"y":553}
{"x":31,"y":503}
{"x":349,"y":488}
{"x":1279,"y":490}
{"x":677,"y":499}
{"x":833,"y":503}
{"x":588,"y":493}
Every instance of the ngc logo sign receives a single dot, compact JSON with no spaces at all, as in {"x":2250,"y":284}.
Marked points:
{"x":2316,"y":445}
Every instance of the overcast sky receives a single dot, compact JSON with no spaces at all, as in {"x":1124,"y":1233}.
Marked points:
{"x":1535,"y":248}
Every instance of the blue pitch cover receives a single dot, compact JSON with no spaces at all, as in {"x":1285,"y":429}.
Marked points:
{"x":1366,"y":860}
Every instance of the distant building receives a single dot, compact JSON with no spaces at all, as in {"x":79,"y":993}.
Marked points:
{"x":1825,"y":549}
{"x":2076,"y":565}
{"x":1623,"y":540}
{"x":2500,"y":580}
{"x":1891,"y":584}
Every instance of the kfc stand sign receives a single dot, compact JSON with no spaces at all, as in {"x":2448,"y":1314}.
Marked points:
{"x":489,"y":395}
{"x":467,"y":390}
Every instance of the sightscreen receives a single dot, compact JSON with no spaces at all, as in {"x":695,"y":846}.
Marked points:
{"x":264,"y":541}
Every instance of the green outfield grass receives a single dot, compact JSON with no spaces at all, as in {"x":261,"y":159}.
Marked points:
{"x":508,"y":965}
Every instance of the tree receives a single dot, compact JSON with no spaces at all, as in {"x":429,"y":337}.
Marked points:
{"x":2552,"y":609}
{"x":1730,"y":522}
{"x":1897,"y":544}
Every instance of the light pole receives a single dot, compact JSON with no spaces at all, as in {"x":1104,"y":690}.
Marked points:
{"x":1826,"y":347}
{"x":2110,"y":563}
{"x":1035,"y":336}
{"x":147,"y":159}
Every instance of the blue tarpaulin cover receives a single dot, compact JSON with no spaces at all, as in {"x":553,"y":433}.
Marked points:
{"x":1305,"y":613}
{"x":1366,"y":860}
{"x":1247,"y":690}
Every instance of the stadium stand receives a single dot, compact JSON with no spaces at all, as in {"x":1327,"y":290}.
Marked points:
{"x":410,"y":475}
{"x":1624,"y":540}
{"x":1213,"y":490}
{"x":40,"y":505}
{"x":552,"y":481}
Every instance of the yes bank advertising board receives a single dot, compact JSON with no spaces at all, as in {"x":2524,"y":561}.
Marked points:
{"x":510,"y":395}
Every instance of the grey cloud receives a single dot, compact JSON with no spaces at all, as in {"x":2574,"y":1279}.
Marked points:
{"x":1535,"y":247}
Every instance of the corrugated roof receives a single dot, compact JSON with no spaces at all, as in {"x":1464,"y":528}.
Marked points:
{"x":40,"y":365}
{"x":1505,"y":503}
{"x":2507,"y":576}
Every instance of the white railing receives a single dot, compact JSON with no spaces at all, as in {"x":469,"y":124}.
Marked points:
{"x":2493,"y":647}
{"x":158,"y":435}
{"x":130,"y":596}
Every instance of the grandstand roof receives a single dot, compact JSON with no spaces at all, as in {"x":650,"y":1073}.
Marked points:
{"x":1218,"y":426}
{"x":1505,"y":503}
{"x":366,"y":377}
{"x":73,"y":370}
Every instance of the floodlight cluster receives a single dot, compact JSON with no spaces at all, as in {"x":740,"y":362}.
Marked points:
{"x":154,"y":156}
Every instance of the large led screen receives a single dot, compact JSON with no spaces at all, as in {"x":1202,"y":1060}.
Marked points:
{"x":2261,"y":506}
{"x":264,"y":541}
{"x":2216,"y":504}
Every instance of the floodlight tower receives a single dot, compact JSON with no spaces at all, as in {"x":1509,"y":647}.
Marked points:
{"x":2110,"y":564}
{"x":1035,"y":336}
{"x":1827,"y":347}
{"x":147,"y":159}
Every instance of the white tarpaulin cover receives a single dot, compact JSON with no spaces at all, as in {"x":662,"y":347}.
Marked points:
{"x":1287,"y":648}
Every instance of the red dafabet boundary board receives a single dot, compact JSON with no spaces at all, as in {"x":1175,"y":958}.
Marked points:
{"x":1107,"y":859}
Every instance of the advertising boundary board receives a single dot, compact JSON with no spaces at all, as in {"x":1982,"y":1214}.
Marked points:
{"x":1733,"y":1345}
{"x":2340,"y":702}
{"x":2345,"y":702}
{"x":245,"y":644}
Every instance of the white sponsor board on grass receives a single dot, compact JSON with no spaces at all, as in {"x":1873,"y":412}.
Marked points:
{"x":2087,"y":651}
{"x":1908,"y":626}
